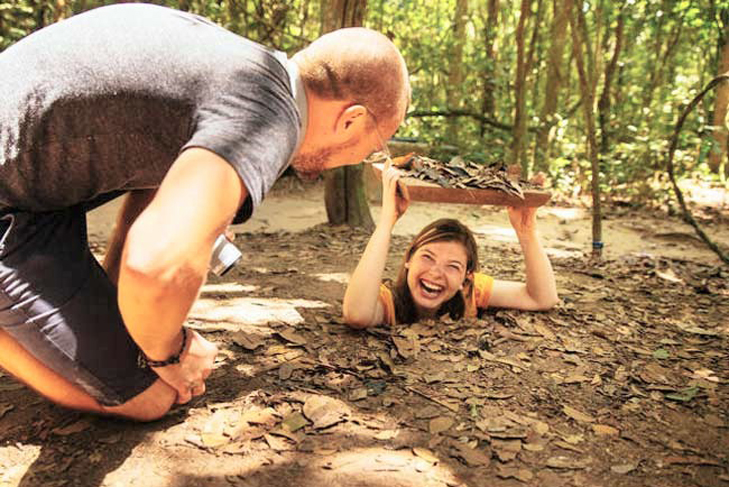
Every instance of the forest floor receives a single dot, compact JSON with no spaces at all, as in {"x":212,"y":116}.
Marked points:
{"x":624,"y":383}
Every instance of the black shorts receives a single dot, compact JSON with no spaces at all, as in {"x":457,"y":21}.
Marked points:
{"x":58,"y":303}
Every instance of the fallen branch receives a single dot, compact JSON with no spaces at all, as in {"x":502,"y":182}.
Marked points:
{"x":669,"y":167}
{"x":430,"y":397}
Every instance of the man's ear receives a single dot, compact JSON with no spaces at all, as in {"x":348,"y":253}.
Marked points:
{"x":351,"y":121}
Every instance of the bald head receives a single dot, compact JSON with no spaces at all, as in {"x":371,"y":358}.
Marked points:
{"x":359,"y":65}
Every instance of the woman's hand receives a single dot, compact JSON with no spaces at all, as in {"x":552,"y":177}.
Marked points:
{"x":361,"y":306}
{"x":539,"y":292}
{"x":523,"y":219}
{"x":395,"y":198}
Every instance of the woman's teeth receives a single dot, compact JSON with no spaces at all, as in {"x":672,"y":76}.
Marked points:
{"x":431,"y":289}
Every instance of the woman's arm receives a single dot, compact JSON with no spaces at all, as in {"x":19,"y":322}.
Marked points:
{"x":362,"y":307}
{"x":539,"y":292}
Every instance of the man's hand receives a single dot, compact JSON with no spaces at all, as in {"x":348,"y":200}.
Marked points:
{"x":196,"y":363}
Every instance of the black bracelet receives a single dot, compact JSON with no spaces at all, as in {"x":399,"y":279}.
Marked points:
{"x":143,"y":361}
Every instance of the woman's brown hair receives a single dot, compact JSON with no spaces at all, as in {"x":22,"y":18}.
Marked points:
{"x":443,"y":230}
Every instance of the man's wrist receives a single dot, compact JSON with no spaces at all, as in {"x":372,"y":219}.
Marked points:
{"x":165,"y":354}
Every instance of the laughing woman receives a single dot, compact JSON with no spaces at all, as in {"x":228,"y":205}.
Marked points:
{"x":440,"y":274}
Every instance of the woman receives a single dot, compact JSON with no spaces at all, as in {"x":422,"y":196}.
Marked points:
{"x":440,"y":272}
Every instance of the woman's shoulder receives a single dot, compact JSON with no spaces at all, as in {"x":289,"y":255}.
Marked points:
{"x":482,"y":286}
{"x":481,"y":278}
{"x":388,"y":304}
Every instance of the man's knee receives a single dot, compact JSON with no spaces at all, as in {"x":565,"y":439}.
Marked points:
{"x":152,"y":404}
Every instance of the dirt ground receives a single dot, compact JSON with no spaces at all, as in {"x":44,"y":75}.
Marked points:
{"x":624,"y":383}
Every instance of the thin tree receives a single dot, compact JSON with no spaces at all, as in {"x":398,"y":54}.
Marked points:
{"x":534,"y":57}
{"x":555,"y":77}
{"x":488,"y":105}
{"x":604,"y":104}
{"x":719,"y":133}
{"x":576,"y":17}
{"x":519,"y":140}
{"x":454,"y":94}
{"x":663,"y":52}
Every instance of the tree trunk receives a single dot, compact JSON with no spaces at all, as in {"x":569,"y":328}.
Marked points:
{"x":584,"y":36}
{"x":604,"y":104}
{"x":719,"y":134}
{"x":40,"y":14}
{"x":236,"y":16}
{"x":555,"y":73}
{"x":576,"y":18}
{"x":518,"y":145}
{"x":488,"y":107}
{"x":344,"y":191}
{"x":595,"y":70}
{"x":454,"y":94}
{"x":381,"y":16}
{"x":304,"y":17}
{"x":535,"y":51}
{"x":59,"y":10}
{"x":662,"y":56}
{"x":246,"y":18}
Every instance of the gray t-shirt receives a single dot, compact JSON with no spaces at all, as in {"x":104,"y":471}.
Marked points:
{"x":103,"y":102}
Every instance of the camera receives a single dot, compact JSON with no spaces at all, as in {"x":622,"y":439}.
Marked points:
{"x":224,"y":257}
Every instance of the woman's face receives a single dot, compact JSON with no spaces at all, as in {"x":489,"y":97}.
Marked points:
{"x":436,"y":272}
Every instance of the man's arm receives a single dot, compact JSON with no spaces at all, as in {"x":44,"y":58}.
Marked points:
{"x":134,"y":203}
{"x":165,"y":261}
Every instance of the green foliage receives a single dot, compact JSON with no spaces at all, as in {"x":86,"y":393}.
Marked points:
{"x":16,"y":21}
{"x":670,"y":50}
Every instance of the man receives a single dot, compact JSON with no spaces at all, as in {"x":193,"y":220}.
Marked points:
{"x":195,"y":124}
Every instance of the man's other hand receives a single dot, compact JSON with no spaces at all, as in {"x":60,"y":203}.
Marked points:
{"x":196,"y":362}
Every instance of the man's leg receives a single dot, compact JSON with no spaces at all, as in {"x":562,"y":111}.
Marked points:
{"x":151,"y":404}
{"x":26,"y":368}
{"x":62,"y":332}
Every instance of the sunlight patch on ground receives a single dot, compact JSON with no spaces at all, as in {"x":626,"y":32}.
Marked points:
{"x":359,"y":466}
{"x":381,"y":467}
{"x":495,"y":233}
{"x":15,"y":461}
{"x":227,"y":287}
{"x":234,"y":313}
{"x":340,"y":277}
{"x":704,"y":194}
{"x":565,"y":213}
{"x":554,"y":253}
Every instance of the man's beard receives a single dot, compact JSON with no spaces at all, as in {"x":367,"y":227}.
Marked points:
{"x":309,"y":166}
